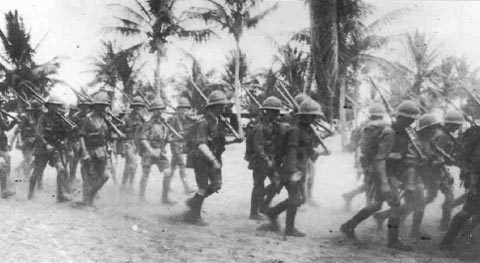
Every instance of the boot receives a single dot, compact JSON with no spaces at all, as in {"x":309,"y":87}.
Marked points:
{"x":61,"y":188}
{"x":290,"y":229}
{"x":393,"y":240}
{"x":193,"y":216}
{"x":143,"y":185}
{"x":269,"y":195}
{"x":165,"y":189}
{"x":31,"y":188}
{"x":456,"y":225}
{"x":379,"y":219}
{"x":254,"y":204}
{"x":3,"y":186}
{"x":446,"y":216}
{"x":416,"y":222}
{"x":349,"y":227}
{"x":98,"y":185}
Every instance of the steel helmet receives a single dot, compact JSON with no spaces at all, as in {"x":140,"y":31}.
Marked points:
{"x":157,"y":105}
{"x":377,"y":110}
{"x":408,"y":109}
{"x":454,"y":117}
{"x":183,"y":103}
{"x":310,"y":107}
{"x":101,"y":98}
{"x":301,"y":98}
{"x":272,"y":103}
{"x":83,"y":101}
{"x":55,"y":99}
{"x":427,"y":120}
{"x":216,"y":98}
{"x":137,"y":102}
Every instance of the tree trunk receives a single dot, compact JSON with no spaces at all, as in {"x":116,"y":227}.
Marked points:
{"x":238,"y":87}
{"x":307,"y":88}
{"x":343,"y":116}
{"x":158,"y":86}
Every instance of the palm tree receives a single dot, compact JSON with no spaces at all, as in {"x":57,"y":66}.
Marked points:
{"x":235,"y":17}
{"x":155,"y":22}
{"x":18,"y":68}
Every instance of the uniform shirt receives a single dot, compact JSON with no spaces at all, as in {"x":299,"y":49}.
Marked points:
{"x":469,"y":151}
{"x":27,"y":129}
{"x":155,"y":132}
{"x":268,"y":140}
{"x":5,"y":126}
{"x":300,"y":147}
{"x":51,"y":129}
{"x":430,"y":166}
{"x":179,"y":124}
{"x":133,"y":124}
{"x":95,"y":131}
{"x":210,"y":131}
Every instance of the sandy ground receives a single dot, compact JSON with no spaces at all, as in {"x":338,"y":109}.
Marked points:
{"x":121,"y":229}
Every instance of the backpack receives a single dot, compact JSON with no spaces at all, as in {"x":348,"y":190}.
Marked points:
{"x":369,"y":142}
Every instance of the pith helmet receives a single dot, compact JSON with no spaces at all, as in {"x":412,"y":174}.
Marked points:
{"x":454,"y":117}
{"x":310,"y":107}
{"x":427,"y":120}
{"x":55,"y":99}
{"x":377,"y":110}
{"x":183,"y":103}
{"x":272,"y":103}
{"x":137,"y":102}
{"x":157,"y":105}
{"x":408,"y":109}
{"x":101,"y":98}
{"x":216,"y":98}
{"x":82,"y":101}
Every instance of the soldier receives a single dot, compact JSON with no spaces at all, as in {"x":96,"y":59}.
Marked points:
{"x":84,"y":107}
{"x":179,"y":122}
{"x":154,"y":137}
{"x":205,"y":146}
{"x":264,"y":162}
{"x":384,"y":148}
{"x":469,"y":160}
{"x":5,"y":126}
{"x":51,"y":133}
{"x":133,"y":123}
{"x":94,"y":134}
{"x":299,"y":148}
{"x":25,"y":133}
{"x":445,"y":142}
{"x":374,"y":112}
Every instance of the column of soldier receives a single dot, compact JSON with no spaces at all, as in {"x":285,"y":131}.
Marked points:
{"x":402,"y":167}
{"x":406,"y":167}
{"x":282,"y":148}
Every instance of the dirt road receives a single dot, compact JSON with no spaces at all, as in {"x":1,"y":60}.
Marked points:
{"x":121,"y":229}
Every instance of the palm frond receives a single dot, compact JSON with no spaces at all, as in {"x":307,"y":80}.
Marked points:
{"x":251,"y":22}
{"x":386,"y":20}
{"x":126,"y":31}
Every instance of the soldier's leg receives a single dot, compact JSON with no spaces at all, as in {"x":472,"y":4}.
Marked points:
{"x":4,"y":175}
{"x":26,"y":163}
{"x":112,"y":163}
{"x":181,"y":163}
{"x":458,"y":201}
{"x":39,"y":164}
{"x":259,"y":176}
{"x":130,"y":165}
{"x":163,"y":167}
{"x":268,"y":195}
{"x":418,"y":213}
{"x":146,"y":169}
{"x":62,"y":178}
{"x":348,"y":197}
{"x":100,"y":176}
{"x":201,"y":170}
{"x":294,"y":201}
{"x":87,"y":181}
{"x":470,"y":208}
{"x":447,"y":190}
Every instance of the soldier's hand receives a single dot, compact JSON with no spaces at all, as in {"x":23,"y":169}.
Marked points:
{"x":217,"y":165}
{"x":86,"y":157}
{"x":155,"y":153}
{"x":270,"y":163}
{"x":3,"y":162}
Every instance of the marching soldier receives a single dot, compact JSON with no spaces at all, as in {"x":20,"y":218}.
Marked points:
{"x":51,"y":133}
{"x":5,"y":126}
{"x":205,"y":146}
{"x":446,"y":142}
{"x":300,"y":147}
{"x":384,"y":150}
{"x":468,"y":159}
{"x":84,"y":107}
{"x":133,"y":123}
{"x":153,"y":140}
{"x":264,"y":162}
{"x":25,"y":134}
{"x":95,"y":133}
{"x":179,"y":122}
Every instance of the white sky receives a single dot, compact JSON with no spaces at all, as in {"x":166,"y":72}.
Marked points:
{"x":75,"y":27}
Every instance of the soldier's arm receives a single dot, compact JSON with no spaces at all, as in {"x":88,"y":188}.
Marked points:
{"x":412,"y":162}
{"x":258,"y":142}
{"x":385,"y":146}
{"x":293,"y":142}
{"x":39,"y":135}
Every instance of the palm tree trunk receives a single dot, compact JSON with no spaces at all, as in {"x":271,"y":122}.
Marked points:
{"x":158,"y":86}
{"x":238,"y":87}
{"x":343,"y":115}
{"x":307,"y":88}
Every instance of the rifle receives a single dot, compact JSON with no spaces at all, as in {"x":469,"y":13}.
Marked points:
{"x":113,"y":126}
{"x":252,"y":97}
{"x":222,"y":119}
{"x":312,"y":126}
{"x":410,"y":132}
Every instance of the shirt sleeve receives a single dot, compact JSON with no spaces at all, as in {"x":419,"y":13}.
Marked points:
{"x":258,"y":142}
{"x":84,"y":126}
{"x":201,"y":133}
